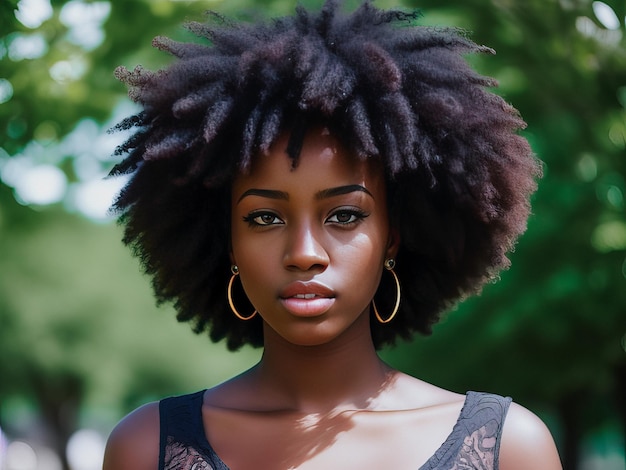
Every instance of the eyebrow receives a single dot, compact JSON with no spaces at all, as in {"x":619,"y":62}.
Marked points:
{"x":341,"y":190}
{"x":323,"y":194}
{"x":268,"y":193}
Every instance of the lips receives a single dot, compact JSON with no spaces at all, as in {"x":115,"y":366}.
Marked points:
{"x":307,"y":299}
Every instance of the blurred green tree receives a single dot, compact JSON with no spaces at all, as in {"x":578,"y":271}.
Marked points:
{"x":550,"y":333}
{"x":78,"y":327}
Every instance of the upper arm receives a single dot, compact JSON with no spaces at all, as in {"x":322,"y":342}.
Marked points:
{"x":527,"y":442}
{"x":134,"y":442}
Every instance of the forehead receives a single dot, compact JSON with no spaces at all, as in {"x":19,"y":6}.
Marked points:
{"x":323,"y":160}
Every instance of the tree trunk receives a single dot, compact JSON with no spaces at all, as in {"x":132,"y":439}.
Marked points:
{"x":619,"y":394}
{"x":572,"y":432}
{"x":59,"y":399}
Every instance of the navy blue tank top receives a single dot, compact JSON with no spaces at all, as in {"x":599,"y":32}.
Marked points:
{"x":473,"y":444}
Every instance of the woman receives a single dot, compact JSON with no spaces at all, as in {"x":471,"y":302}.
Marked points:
{"x":319,"y":186}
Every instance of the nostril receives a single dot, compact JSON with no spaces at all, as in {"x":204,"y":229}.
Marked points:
{"x":317,"y":267}
{"x":307,"y":260}
{"x":305,"y":265}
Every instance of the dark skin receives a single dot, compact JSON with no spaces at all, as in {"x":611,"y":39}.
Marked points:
{"x":320,"y":397}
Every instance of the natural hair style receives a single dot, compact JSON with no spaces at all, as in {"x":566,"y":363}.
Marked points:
{"x":458,"y":175}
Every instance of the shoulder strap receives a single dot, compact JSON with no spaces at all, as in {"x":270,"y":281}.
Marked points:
{"x":475,"y":440}
{"x":180,"y":416}
{"x":183,"y":445}
{"x":176,"y":420}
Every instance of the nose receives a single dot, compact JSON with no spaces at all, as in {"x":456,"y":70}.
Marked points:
{"x":304,"y":251}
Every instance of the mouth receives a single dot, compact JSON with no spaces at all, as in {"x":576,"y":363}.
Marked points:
{"x":305,"y":296}
{"x":306,"y":290}
{"x":307,"y":299}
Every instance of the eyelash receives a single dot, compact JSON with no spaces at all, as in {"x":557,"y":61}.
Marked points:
{"x":355,"y":216}
{"x":250,"y":219}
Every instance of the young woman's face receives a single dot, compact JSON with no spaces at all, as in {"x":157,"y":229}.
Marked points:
{"x":310,"y":242}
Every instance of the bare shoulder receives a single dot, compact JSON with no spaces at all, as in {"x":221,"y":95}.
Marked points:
{"x":527,"y":442}
{"x":134,"y":442}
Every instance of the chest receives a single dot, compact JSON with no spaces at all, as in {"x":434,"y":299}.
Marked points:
{"x":364,"y":440}
{"x":194,"y":436}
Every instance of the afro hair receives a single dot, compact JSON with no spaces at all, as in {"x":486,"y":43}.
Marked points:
{"x":459,"y":175}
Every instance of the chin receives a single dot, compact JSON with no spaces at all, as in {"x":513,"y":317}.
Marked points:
{"x":314,"y":336}
{"x":310,"y":340}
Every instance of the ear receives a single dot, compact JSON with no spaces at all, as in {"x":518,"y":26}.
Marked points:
{"x":393,"y":243}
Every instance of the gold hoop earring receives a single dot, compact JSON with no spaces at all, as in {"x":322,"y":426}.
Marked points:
{"x":235,"y":270}
{"x":389,"y":265}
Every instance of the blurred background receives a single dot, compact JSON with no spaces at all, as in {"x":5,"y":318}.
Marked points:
{"x":81,"y":340}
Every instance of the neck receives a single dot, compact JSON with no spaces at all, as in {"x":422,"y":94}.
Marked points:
{"x":343,"y":374}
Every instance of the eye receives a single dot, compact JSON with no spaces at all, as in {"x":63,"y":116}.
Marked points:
{"x":346,"y":216}
{"x":262,"y":219}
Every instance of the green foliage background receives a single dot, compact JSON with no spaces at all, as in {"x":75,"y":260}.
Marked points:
{"x":79,"y":331}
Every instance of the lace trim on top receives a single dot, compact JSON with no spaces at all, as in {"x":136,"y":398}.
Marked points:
{"x":473,"y":444}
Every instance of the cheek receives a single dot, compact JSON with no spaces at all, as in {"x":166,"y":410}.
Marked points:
{"x":371,"y":242}
{"x":361,"y":261}
{"x":257,"y":260}
{"x":247,"y":253}
{"x":363,"y":250}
